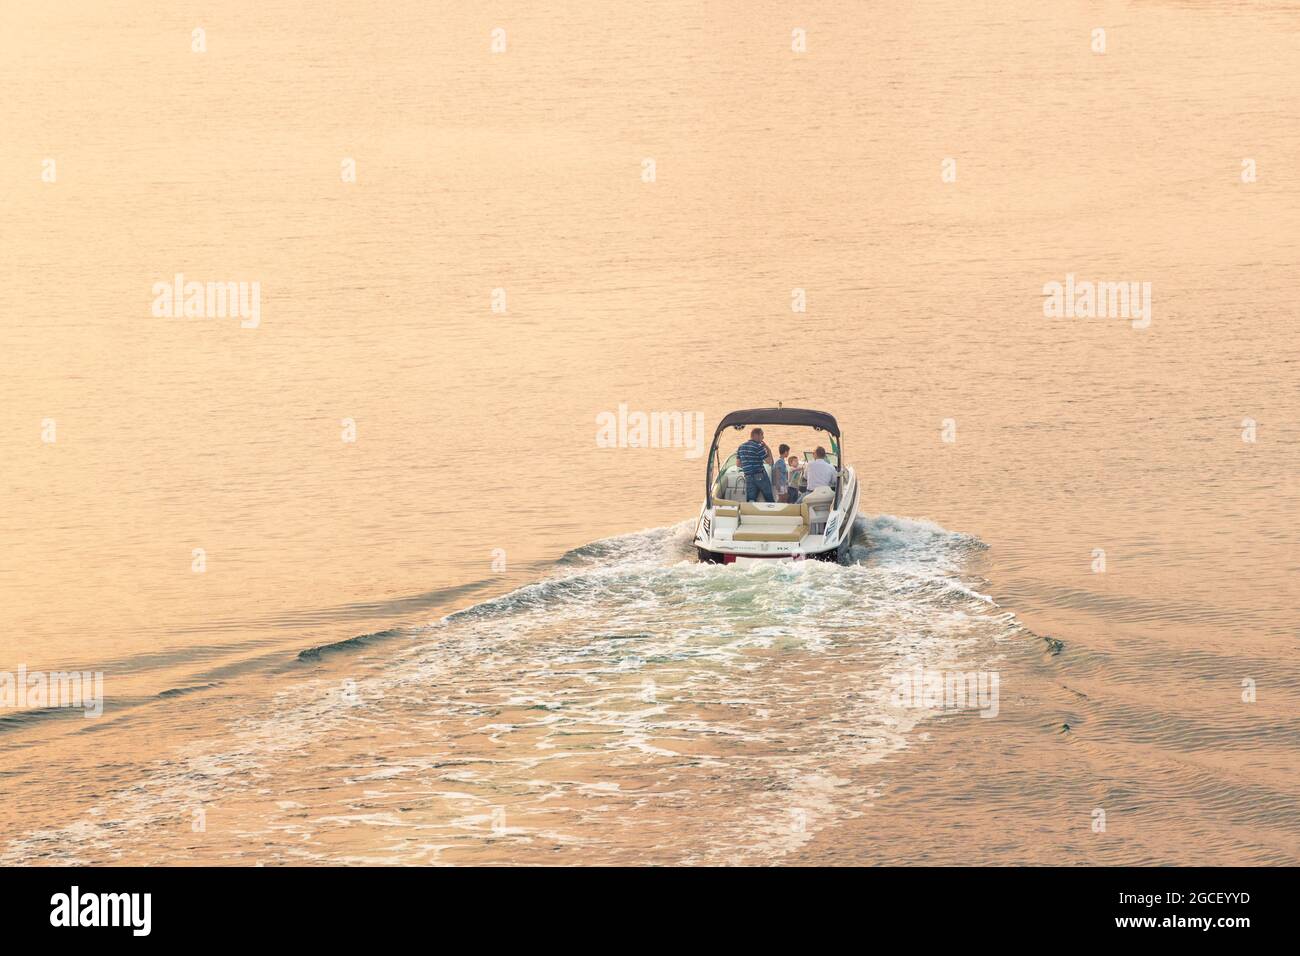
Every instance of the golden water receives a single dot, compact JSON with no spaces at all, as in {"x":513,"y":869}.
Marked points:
{"x":524,"y":171}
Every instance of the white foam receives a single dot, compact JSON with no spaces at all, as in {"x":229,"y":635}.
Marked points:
{"x":758,"y":698}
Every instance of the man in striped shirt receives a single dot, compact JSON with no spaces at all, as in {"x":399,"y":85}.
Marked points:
{"x":751,"y":456}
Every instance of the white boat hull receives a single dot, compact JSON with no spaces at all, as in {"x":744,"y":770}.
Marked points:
{"x":717,"y":539}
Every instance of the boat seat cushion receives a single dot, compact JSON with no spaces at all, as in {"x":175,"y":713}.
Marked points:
{"x":819,"y":496}
{"x":731,"y":484}
{"x":764,"y":521}
{"x":771,"y":521}
{"x":766,"y":508}
{"x":770,"y":532}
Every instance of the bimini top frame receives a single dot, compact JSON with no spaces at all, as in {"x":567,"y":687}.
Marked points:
{"x":822,"y":421}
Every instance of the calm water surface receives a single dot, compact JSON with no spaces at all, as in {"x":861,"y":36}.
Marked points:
{"x":602,"y":698}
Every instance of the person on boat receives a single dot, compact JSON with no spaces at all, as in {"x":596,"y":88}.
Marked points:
{"x":795,"y":474}
{"x":781,"y":474}
{"x":821,"y":473}
{"x":752,"y":456}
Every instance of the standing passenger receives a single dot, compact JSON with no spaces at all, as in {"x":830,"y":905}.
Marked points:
{"x":751,"y":456}
{"x":781,"y":474}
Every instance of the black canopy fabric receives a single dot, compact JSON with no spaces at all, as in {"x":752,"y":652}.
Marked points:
{"x":779,"y":416}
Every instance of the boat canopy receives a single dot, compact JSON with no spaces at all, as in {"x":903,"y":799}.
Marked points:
{"x":823,"y":421}
{"x":778,"y":416}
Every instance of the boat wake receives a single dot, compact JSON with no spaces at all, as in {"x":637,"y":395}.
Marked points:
{"x":633,"y":705}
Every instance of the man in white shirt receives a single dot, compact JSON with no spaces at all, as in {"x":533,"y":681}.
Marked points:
{"x":821,"y":473}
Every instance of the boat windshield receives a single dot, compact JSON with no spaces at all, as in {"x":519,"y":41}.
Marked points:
{"x":831,"y":456}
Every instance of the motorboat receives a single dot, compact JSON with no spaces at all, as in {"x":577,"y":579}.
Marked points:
{"x":734,"y":529}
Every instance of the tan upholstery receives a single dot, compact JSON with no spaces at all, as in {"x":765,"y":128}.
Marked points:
{"x":761,"y":521}
{"x":823,"y":495}
{"x":770,"y":521}
{"x":747,"y":532}
{"x":731,"y":485}
{"x":819,"y":504}
{"x":763,"y":508}
{"x":725,"y":510}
